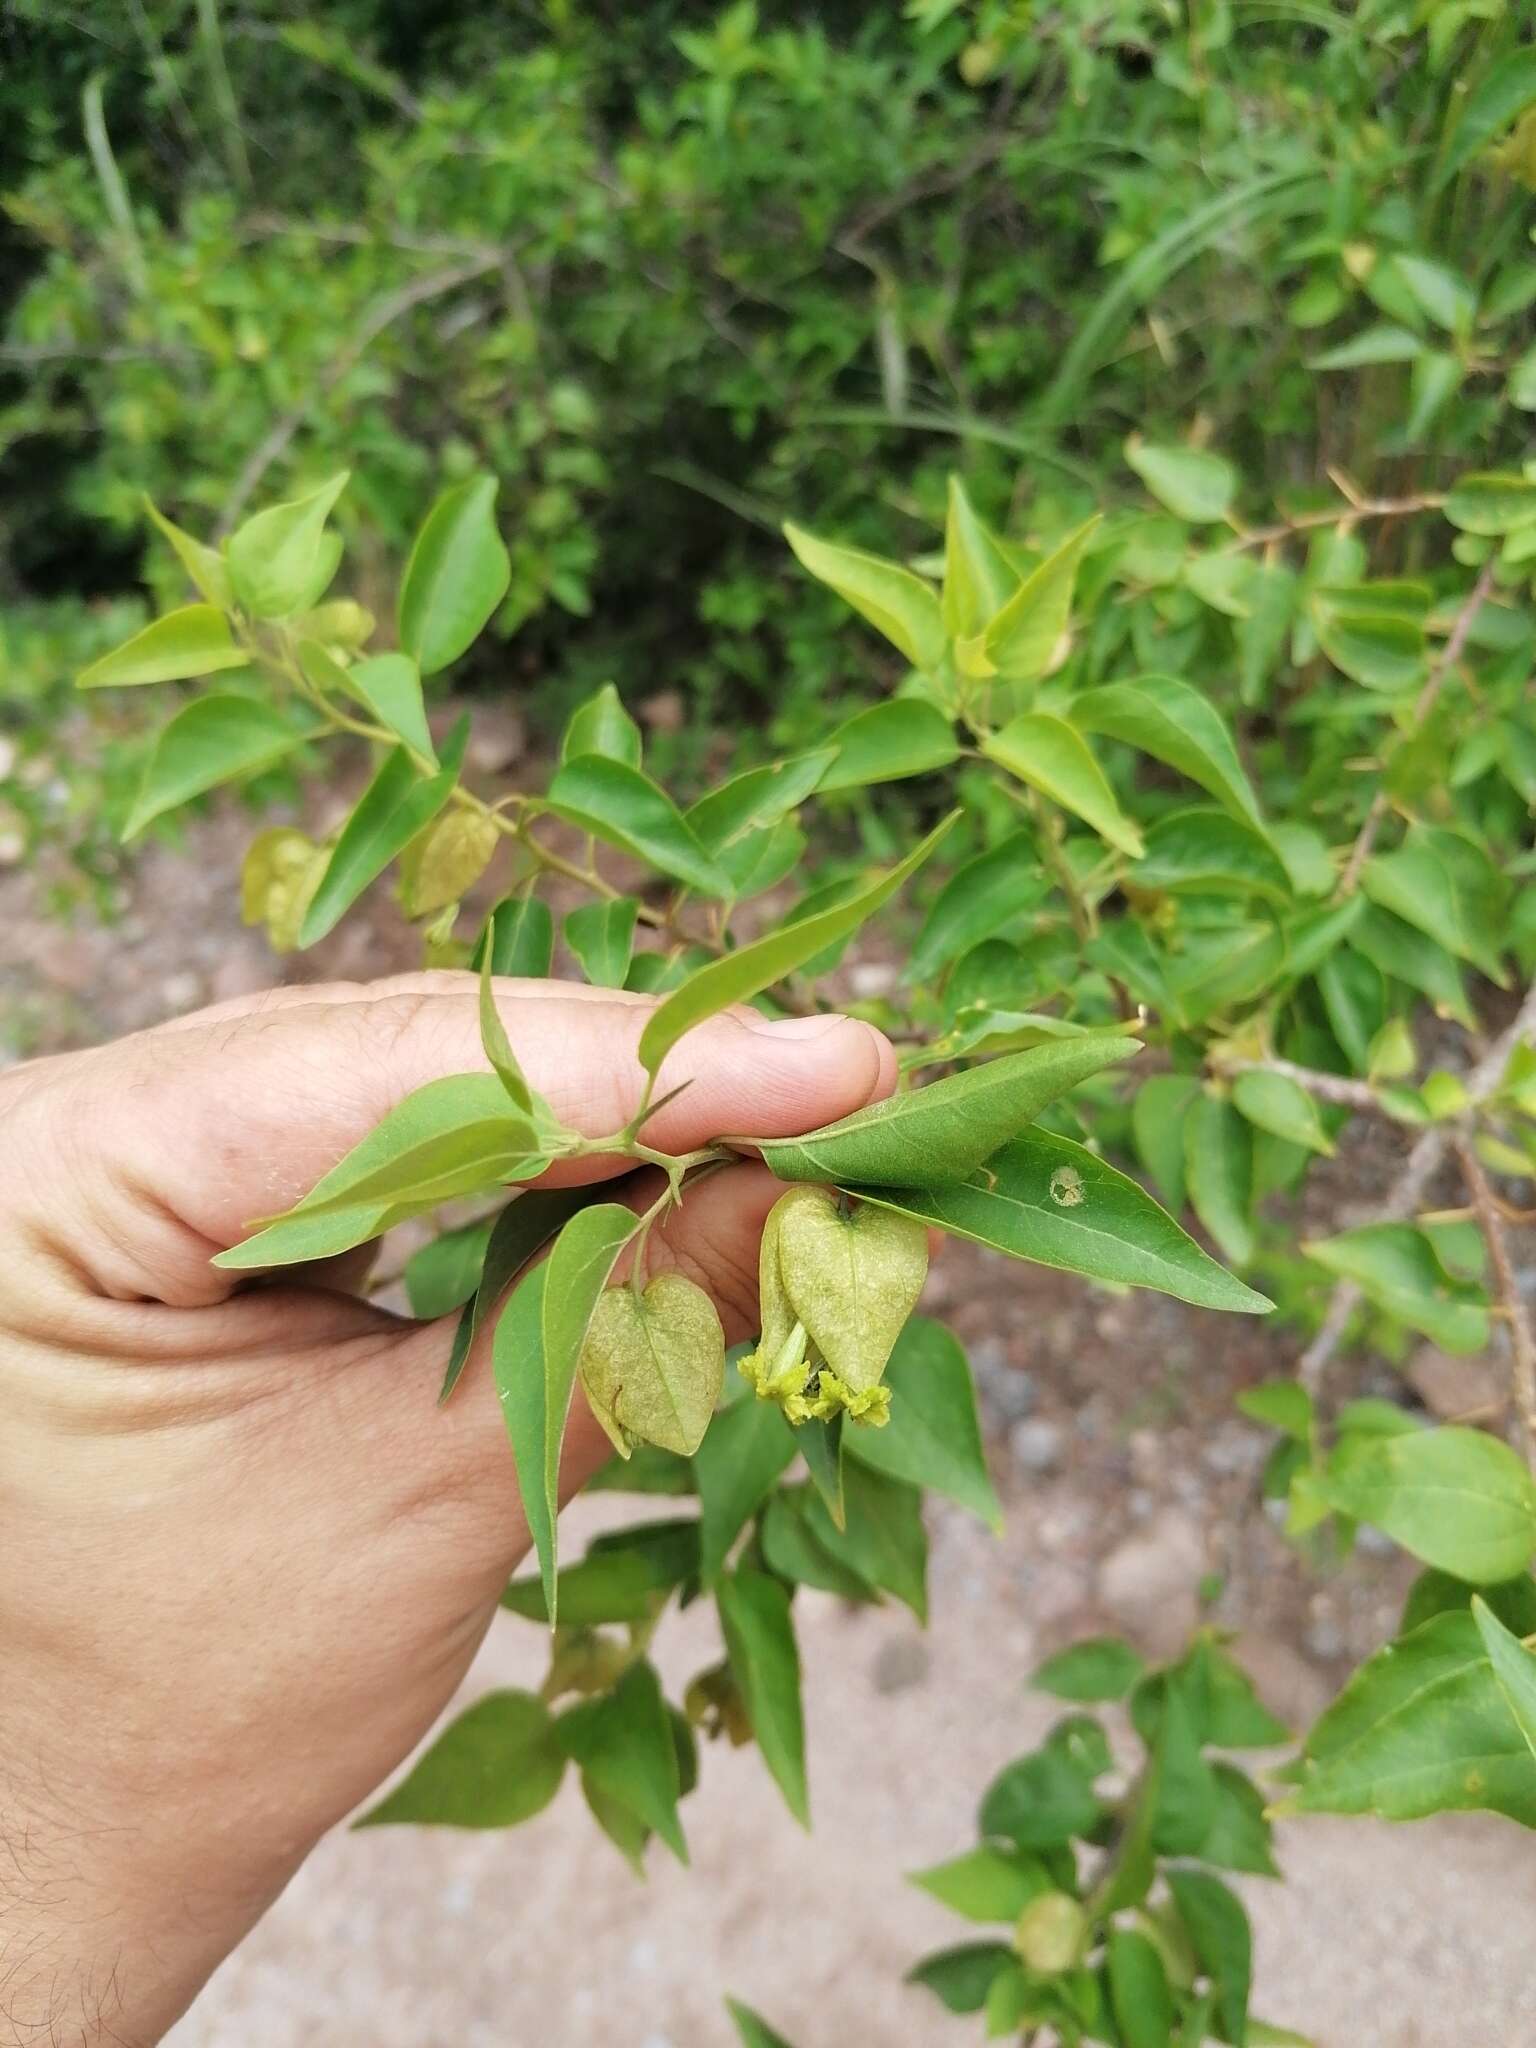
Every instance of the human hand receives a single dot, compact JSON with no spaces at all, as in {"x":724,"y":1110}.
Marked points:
{"x":245,"y":1560}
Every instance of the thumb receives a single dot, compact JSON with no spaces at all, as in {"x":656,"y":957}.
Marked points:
{"x":171,"y":1143}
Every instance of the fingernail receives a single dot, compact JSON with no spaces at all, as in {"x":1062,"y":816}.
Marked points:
{"x":797,"y":1027}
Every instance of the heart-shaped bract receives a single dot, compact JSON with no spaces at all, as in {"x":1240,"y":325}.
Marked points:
{"x":653,"y":1364}
{"x":837,"y":1287}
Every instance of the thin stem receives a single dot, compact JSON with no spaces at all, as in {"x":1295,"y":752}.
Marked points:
{"x":1407,"y":1193}
{"x":1336,"y":1088}
{"x":1450,"y":654}
{"x":1357,"y":508}
{"x":1517,"y":1319}
{"x":1048,"y":822}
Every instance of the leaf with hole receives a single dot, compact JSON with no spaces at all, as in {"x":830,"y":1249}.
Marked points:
{"x":1048,"y":1199}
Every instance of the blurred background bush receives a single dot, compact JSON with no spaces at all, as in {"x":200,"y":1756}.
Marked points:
{"x":675,"y":272}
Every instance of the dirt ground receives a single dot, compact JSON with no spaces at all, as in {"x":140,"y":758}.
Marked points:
{"x":1126,"y":1475}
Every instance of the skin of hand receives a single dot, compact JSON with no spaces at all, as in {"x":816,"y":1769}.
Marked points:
{"x":245,"y":1558}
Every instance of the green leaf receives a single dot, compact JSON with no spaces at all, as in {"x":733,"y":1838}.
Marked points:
{"x":524,"y":1226}
{"x":1138,"y":1989}
{"x":1190,"y":482}
{"x":601,"y":725}
{"x":979,"y":896}
{"x":392,"y":810}
{"x":1445,"y":886}
{"x":901,"y":737}
{"x":206,"y":567}
{"x":1158,"y":1114}
{"x":1277,"y":1104}
{"x":1095,"y":1671}
{"x":1175,"y":723}
{"x":602,"y":936}
{"x":1022,"y":641}
{"x":979,"y":578}
{"x":1514,"y":1669}
{"x":1042,"y":1800}
{"x":933,"y":1438}
{"x":1218,"y":1168}
{"x":1200,"y":853}
{"x":1045,"y":752}
{"x":755,"y":2031}
{"x":491,"y":1144}
{"x":1380,"y":344}
{"x":1355,"y":998}
{"x":628,"y":1579}
{"x":1223,"y":1941}
{"x":389,"y":685}
{"x":961,"y":1977}
{"x":1395,"y":1266}
{"x":1413,"y":957}
{"x":1432,"y":1593}
{"x":1492,"y":502}
{"x":194,"y":641}
{"x":896,"y":603}
{"x":521,"y":936}
{"x":883,"y":1541}
{"x":986,"y":1884}
{"x":496,"y":1765}
{"x":1382,"y":649}
{"x":457,"y":575}
{"x":1053,"y":1201}
{"x":736,"y":977}
{"x":1239,"y":1836}
{"x":795,"y":1553}
{"x":498,"y":1050}
{"x":577,"y":1270}
{"x":435,"y":1110}
{"x":932,"y":1137}
{"x":1442,"y":293}
{"x":625,"y":1745}
{"x":821,"y":1446}
{"x":1455,"y":1498}
{"x":444,"y":1274}
{"x":760,"y":1640}
{"x":628,"y":810}
{"x":753,"y":801}
{"x":1280,"y":1404}
{"x":748,"y":1446}
{"x":1423,"y":1727}
{"x":210,"y":741}
{"x":279,"y":560}
{"x":1499,"y":98}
